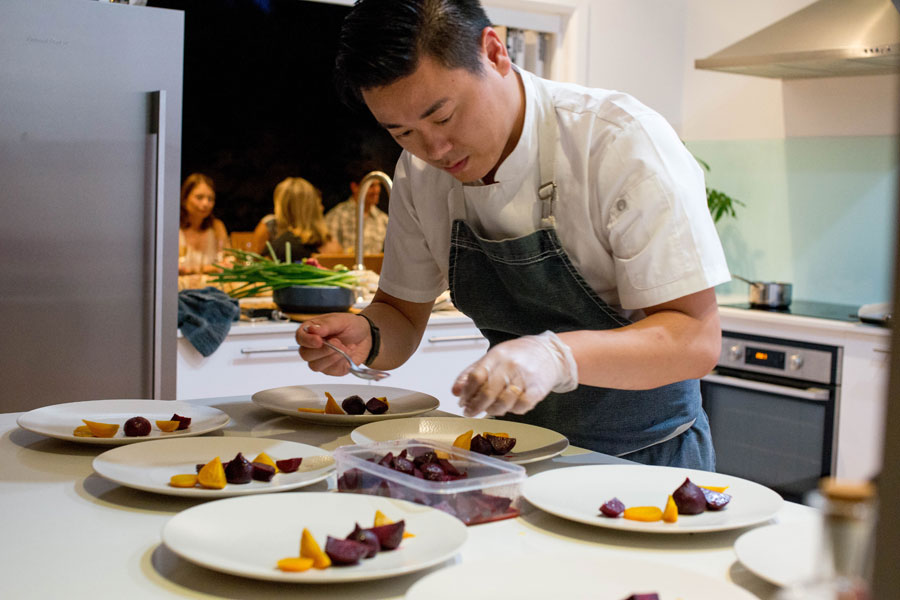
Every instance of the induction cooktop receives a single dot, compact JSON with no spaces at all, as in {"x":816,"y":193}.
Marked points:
{"x":807,"y":308}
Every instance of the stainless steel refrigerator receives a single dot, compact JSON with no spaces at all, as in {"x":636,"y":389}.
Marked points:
{"x":90,"y":153}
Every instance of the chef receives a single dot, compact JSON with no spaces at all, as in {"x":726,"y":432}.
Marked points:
{"x":569,"y":223}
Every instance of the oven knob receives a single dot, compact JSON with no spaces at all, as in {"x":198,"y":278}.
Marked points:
{"x":735,"y":353}
{"x":795,"y":362}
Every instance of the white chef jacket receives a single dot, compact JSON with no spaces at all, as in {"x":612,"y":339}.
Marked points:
{"x":631,"y":211}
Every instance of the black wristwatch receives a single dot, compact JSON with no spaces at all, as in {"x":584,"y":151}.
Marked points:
{"x":376,"y":340}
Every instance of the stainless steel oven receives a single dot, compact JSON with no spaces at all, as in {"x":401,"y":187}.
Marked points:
{"x":772,"y":406}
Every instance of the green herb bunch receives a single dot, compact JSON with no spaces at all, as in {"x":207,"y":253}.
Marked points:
{"x":719,"y":203}
{"x":261,"y":275}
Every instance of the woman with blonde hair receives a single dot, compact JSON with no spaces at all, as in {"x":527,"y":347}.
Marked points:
{"x":298,"y":220}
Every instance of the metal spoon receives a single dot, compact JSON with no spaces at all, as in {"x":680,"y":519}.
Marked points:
{"x":361,"y":371}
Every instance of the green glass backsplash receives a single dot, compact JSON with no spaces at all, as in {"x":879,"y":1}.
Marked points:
{"x":820,"y":213}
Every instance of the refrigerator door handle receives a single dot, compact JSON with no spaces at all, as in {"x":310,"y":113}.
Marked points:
{"x":158,"y":124}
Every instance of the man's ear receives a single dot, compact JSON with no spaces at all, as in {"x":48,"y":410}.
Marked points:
{"x":354,"y":188}
{"x":494,"y":50}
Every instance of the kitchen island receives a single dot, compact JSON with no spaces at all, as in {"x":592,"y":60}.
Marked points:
{"x":70,"y":533}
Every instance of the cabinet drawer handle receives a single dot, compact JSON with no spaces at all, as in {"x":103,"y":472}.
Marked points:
{"x":882,"y":350}
{"x":455,"y":338}
{"x":812,"y":393}
{"x":268,"y":350}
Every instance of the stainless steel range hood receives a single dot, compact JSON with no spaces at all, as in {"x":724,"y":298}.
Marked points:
{"x":829,"y":38}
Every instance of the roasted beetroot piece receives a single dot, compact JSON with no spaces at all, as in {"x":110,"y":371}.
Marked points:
{"x":137,"y":427}
{"x":612,"y":508}
{"x":404,"y":465}
{"x":500,"y":445}
{"x":183,"y":422}
{"x":200,"y":466}
{"x":433,"y":472}
{"x":238,"y":470}
{"x":689,"y":498}
{"x":389,"y":536}
{"x":262,"y":472}
{"x":387,"y":460}
{"x":426,"y":457}
{"x":353,"y":405}
{"x":643,"y":597}
{"x":367,"y":537}
{"x":376,"y":406}
{"x":448,"y":467}
{"x":403,"y":453}
{"x":480,"y":445}
{"x":288,"y":465}
{"x":345,"y":552}
{"x":715,"y":500}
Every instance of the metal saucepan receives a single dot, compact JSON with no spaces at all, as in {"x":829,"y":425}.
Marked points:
{"x":768,"y":294}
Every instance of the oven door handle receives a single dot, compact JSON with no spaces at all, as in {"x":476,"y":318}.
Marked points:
{"x":812,"y":393}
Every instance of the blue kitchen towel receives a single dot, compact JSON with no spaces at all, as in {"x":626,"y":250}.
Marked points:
{"x":205,"y":316}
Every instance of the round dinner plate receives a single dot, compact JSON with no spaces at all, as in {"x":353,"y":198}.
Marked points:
{"x":60,"y":420}
{"x":447,"y":429}
{"x":248,"y":536}
{"x":149,"y":467}
{"x":571,"y":576}
{"x":783,"y":553}
{"x":576,"y":493}
{"x":286,"y":400}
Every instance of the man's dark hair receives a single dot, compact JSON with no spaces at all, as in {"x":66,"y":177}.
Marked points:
{"x":382,"y":41}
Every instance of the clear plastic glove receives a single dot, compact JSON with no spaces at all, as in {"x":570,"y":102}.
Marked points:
{"x":348,"y":332}
{"x":515,"y":375}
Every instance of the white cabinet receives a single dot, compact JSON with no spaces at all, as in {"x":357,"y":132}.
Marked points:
{"x":864,"y":378}
{"x":255,"y":357}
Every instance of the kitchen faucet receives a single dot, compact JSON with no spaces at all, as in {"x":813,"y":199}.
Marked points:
{"x":360,"y":215}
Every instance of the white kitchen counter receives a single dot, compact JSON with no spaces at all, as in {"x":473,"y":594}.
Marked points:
{"x":70,"y":533}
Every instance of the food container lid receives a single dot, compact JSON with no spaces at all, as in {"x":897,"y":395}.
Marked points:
{"x":483,"y":471}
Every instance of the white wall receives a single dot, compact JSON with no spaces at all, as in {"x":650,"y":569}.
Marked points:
{"x":638,"y":47}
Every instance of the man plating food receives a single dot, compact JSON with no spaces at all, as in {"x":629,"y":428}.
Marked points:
{"x":569,"y":223}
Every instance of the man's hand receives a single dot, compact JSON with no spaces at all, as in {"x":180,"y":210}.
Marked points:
{"x":346,"y":331}
{"x":515,"y":375}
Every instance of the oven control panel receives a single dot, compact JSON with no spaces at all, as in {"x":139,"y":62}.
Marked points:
{"x":781,"y":359}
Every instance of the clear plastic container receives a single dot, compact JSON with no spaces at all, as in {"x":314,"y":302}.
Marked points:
{"x":486,"y":489}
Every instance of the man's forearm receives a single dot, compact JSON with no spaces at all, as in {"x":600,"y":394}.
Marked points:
{"x":667,"y":346}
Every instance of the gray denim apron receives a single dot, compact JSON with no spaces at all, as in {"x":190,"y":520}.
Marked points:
{"x":526,"y":285}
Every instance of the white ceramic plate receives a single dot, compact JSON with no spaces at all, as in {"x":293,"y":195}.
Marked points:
{"x":573,"y":576}
{"x":60,"y":420}
{"x":784,"y":553}
{"x":286,"y":400}
{"x":576,"y":493}
{"x":247,"y":536}
{"x":447,"y":429}
{"x":149,"y":467}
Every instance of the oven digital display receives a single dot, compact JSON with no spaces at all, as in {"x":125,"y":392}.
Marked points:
{"x":764,"y":358}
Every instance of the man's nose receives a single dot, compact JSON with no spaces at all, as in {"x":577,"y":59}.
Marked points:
{"x":436,"y":146}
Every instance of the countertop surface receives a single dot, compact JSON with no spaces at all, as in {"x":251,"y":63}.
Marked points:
{"x":70,"y":533}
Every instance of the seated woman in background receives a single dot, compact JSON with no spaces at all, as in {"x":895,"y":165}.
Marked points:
{"x":298,"y":219}
{"x":201,"y":236}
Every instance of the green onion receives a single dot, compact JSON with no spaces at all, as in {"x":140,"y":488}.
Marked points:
{"x":261,"y":275}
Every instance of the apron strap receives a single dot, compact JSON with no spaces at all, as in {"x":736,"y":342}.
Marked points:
{"x":549,"y":135}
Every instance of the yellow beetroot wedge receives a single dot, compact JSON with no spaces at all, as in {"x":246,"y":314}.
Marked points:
{"x":82,"y":431}
{"x":309,"y":548}
{"x":670,"y":514}
{"x":212,"y":475}
{"x":332,"y":407}
{"x":464,"y":440}
{"x":102,"y":430}
{"x":714,"y":488}
{"x":168,"y":426}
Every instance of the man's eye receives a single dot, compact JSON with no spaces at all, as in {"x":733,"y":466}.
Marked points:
{"x":444,"y":121}
{"x":401,"y":135}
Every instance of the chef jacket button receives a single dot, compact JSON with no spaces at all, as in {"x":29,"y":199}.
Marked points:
{"x":621,"y":204}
